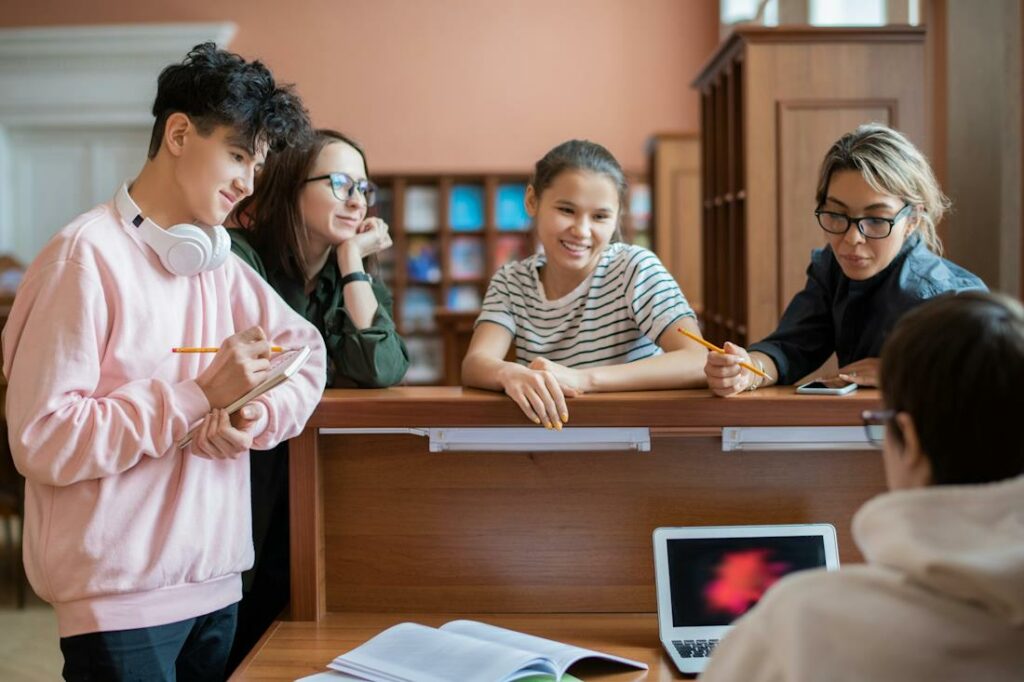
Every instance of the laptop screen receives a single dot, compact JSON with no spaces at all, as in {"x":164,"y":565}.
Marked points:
{"x":716,"y":580}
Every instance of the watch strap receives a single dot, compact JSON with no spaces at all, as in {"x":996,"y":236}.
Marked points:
{"x":355,"y":277}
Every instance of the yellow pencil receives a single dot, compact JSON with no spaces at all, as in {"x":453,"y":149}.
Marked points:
{"x":712,"y":347}
{"x":186,"y":349}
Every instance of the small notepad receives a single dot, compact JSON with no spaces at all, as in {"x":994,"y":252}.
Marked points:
{"x":282,"y":367}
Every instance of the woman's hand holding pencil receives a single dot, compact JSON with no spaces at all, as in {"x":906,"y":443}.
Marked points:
{"x":729,"y":370}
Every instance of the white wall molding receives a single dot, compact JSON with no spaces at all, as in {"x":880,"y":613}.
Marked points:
{"x":75,"y":117}
{"x":91,"y":75}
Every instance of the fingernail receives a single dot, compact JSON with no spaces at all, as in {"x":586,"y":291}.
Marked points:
{"x":536,"y":420}
{"x":565,"y":417}
{"x":558,"y":426}
{"x":548,"y":425}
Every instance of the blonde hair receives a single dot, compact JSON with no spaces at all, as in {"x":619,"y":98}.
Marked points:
{"x":890,"y":164}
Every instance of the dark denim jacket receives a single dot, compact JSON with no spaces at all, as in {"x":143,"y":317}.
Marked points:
{"x":851,"y":318}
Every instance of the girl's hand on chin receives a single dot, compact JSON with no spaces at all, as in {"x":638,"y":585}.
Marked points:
{"x":372,"y":236}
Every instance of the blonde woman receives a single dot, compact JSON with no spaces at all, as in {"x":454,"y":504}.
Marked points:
{"x":878,"y":204}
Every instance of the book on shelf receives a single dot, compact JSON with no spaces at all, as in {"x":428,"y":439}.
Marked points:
{"x":421,"y":203}
{"x":463,"y":297}
{"x":466,"y":208}
{"x":426,"y":360}
{"x":510,"y":247}
{"x":640,"y":205}
{"x":510,"y":207}
{"x":417,"y":311}
{"x":422,"y":261}
{"x":466,"y":256}
{"x":464,"y":651}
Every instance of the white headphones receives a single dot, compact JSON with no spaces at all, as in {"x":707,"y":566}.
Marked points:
{"x":184,"y":249}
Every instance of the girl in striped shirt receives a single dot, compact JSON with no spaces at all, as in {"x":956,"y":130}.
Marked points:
{"x":588,"y":314}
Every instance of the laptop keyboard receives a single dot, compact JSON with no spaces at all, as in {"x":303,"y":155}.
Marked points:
{"x":694,"y":648}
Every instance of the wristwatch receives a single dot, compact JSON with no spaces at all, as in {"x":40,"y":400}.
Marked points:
{"x":355,"y":277}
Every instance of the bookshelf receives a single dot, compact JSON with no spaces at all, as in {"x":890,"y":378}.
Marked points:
{"x":773,"y":100}
{"x":451,"y":232}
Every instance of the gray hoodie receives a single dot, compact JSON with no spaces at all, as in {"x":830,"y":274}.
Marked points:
{"x":941,"y":598}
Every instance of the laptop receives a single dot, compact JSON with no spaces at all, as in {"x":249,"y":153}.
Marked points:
{"x":708,"y":576}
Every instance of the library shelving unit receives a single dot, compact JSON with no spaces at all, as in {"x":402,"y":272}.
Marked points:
{"x":451,"y":232}
{"x":773,"y":100}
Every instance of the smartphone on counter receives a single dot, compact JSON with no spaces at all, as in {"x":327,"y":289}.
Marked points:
{"x":834,"y":386}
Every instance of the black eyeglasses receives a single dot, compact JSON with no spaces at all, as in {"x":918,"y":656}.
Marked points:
{"x":343,"y":186}
{"x":875,"y":422}
{"x":870,"y":227}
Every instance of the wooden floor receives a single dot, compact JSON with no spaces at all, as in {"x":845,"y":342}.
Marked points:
{"x":29,"y":650}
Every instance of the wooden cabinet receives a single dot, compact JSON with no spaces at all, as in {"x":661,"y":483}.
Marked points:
{"x":773,"y":100}
{"x":676,"y":210}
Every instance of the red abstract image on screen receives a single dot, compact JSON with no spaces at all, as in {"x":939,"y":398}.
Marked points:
{"x":741,"y":579}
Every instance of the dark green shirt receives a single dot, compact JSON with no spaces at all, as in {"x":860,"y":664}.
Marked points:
{"x":371,"y":358}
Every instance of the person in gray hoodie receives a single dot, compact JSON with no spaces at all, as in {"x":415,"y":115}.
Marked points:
{"x":941,"y":596}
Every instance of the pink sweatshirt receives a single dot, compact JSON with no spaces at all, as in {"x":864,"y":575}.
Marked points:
{"x":122,"y":529}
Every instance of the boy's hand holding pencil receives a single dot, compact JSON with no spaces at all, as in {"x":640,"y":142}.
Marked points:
{"x":237,"y":367}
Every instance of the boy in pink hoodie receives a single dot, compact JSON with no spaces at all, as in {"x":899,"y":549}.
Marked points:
{"x":138,"y":544}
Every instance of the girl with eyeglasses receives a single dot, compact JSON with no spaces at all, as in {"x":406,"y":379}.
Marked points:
{"x":307,"y":233}
{"x":878,"y":204}
{"x":305,"y":230}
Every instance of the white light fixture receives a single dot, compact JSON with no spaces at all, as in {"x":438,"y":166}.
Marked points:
{"x":794,"y":438}
{"x":520,"y":439}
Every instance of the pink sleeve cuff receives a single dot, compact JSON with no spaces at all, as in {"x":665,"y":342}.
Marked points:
{"x":191,"y":400}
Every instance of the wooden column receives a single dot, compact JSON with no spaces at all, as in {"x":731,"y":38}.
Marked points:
{"x":307,"y":531}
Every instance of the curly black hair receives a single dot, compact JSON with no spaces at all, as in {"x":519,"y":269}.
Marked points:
{"x":216,"y":87}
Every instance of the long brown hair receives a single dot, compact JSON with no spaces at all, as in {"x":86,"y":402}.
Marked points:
{"x":271,"y":214}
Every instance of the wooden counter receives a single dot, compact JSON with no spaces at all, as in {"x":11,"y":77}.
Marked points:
{"x":454,"y":406}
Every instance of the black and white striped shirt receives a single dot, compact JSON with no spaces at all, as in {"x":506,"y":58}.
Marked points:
{"x":614,"y":316}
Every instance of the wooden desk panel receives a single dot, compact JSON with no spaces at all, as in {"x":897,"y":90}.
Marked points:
{"x":410,"y":530}
{"x":379,"y":524}
{"x":293,"y":649}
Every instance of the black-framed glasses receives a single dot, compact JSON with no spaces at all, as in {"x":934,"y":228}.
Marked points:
{"x":344,"y":185}
{"x":869,"y":226}
{"x":875,"y":422}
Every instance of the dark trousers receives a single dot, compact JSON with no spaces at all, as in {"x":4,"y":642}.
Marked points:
{"x":266,"y":588}
{"x":189,"y":650}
